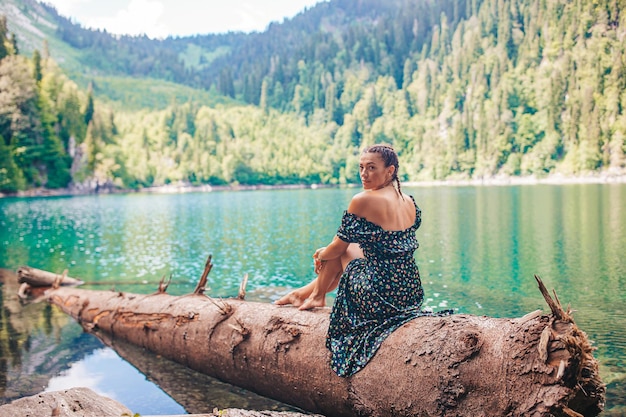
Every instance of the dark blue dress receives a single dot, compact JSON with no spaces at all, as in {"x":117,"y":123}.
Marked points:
{"x":376,"y":294}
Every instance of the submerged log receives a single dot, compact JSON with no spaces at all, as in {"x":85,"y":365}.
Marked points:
{"x":39,"y":278}
{"x":460,"y":365}
{"x":32,"y":280}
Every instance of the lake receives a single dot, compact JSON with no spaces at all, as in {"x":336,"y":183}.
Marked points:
{"x":479,"y":249}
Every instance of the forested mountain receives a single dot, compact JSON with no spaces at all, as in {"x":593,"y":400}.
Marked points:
{"x":461,"y":88}
{"x":330,"y":38}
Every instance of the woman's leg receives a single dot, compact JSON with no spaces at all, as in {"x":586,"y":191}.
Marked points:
{"x":326,"y":281}
{"x":314,"y":293}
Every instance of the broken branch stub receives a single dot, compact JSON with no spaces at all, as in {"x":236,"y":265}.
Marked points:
{"x":242,"y":287}
{"x":163,"y":284}
{"x":201,"y":287}
{"x":555,"y":306}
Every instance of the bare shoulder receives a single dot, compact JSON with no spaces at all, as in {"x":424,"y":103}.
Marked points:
{"x":409,"y":199}
{"x":359,"y":203}
{"x":410,"y":203}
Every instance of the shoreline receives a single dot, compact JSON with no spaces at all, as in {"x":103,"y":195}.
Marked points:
{"x":555,"y":179}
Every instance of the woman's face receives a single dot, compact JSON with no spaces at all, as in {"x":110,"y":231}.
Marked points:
{"x":374,"y":174}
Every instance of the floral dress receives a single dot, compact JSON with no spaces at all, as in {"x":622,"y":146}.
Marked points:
{"x":376,"y":294}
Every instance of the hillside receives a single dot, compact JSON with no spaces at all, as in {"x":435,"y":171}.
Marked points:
{"x":237,"y":64}
{"x":471,"y":89}
{"x":39,"y":27}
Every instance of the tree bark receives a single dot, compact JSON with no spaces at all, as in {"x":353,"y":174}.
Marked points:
{"x":460,"y":365}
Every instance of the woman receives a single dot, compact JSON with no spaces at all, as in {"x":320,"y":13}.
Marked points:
{"x":371,"y":260}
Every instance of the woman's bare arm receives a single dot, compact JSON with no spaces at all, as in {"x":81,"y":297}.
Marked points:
{"x":334,"y":250}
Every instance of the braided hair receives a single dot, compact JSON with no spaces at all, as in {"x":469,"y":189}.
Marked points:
{"x":390,"y":157}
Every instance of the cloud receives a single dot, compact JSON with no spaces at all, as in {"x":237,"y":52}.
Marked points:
{"x":138,"y":18}
{"x":161,"y":18}
{"x":249,"y":18}
{"x":66,"y":7}
{"x":78,"y":375}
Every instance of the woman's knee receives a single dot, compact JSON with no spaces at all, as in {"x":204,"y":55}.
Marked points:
{"x":353,"y":252}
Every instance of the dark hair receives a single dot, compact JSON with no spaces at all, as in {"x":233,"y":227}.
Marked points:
{"x":390,"y":157}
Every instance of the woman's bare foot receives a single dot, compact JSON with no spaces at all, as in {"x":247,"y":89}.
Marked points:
{"x":298,"y":296}
{"x":313,"y":302}
{"x":294,"y":298}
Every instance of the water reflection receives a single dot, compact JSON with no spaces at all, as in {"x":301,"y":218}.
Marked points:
{"x":106,"y":374}
{"x":195,"y":392}
{"x":37,"y":341}
{"x":43,"y":349}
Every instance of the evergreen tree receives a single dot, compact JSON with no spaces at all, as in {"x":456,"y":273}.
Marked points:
{"x":16,"y":50}
{"x":4,"y":51}
{"x":37,"y":66}
{"x":89,"y":108}
{"x":11,"y":178}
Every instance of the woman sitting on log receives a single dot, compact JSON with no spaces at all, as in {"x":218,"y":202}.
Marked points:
{"x":370,"y":262}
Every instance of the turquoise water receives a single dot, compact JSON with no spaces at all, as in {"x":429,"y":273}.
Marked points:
{"x":480,"y":247}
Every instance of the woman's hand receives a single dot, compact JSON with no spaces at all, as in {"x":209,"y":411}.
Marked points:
{"x":318,"y":261}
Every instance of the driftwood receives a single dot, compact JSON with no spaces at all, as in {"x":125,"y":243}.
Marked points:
{"x":74,"y":402}
{"x":460,"y":365}
{"x":31,"y":278}
{"x":83,"y":402}
{"x":39,"y":278}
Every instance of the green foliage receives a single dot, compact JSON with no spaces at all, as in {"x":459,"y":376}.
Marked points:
{"x":32,"y":115}
{"x":89,"y":108}
{"x":4,"y":40}
{"x":11,"y":178}
{"x":461,"y":89}
{"x":37,"y":66}
{"x":195,"y":57}
{"x":241,"y":145}
{"x":125,"y":93}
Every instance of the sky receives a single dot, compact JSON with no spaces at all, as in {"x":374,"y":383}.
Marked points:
{"x":161,"y":18}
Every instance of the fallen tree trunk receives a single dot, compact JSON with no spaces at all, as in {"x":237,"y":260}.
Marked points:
{"x":460,"y":365}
